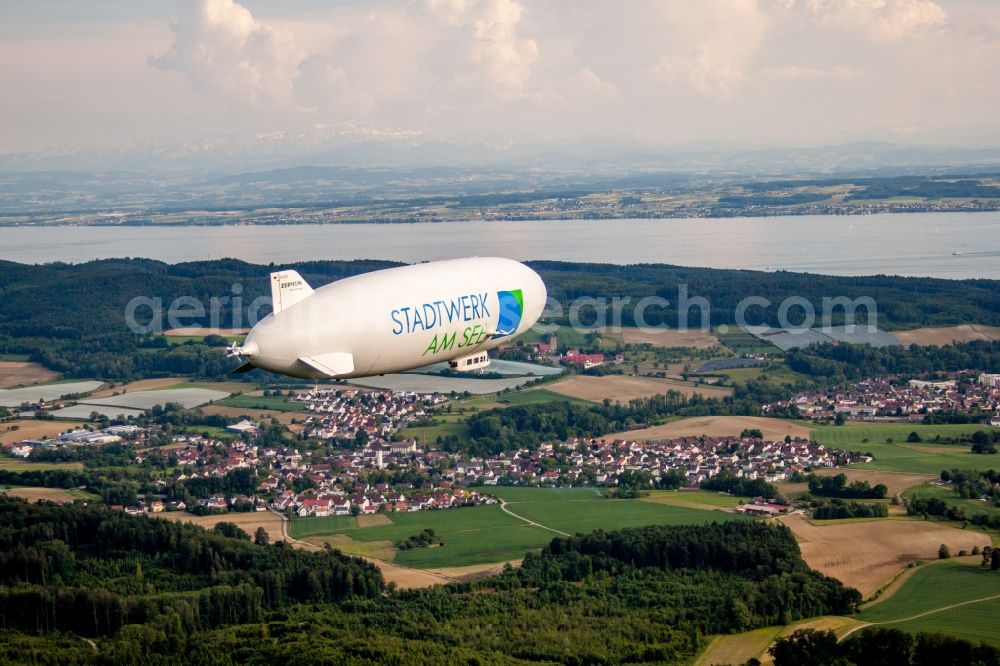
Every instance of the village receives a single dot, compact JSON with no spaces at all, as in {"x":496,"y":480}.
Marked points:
{"x":345,"y":456}
{"x":400,"y":476}
{"x":892,"y":399}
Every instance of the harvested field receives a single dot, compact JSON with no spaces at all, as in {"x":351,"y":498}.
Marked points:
{"x":141,"y":385}
{"x":716,"y":426}
{"x":622,"y":388}
{"x":18,"y":373}
{"x":248,"y":522}
{"x":205,"y":330}
{"x":188,"y":397}
{"x":373,"y":520}
{"x":947,"y":335}
{"x":379,"y":553}
{"x":838,"y":624}
{"x":14,"y":397}
{"x":403,"y":577}
{"x":669,"y":337}
{"x":21,"y":465}
{"x":255,"y":414}
{"x":57,"y":495}
{"x":475,"y":571}
{"x":383,"y":551}
{"x":737,"y":648}
{"x":15,"y":431}
{"x":864,"y":555}
{"x":896,"y":482}
{"x":406,"y":578}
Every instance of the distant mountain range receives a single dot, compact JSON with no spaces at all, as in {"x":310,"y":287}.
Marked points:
{"x":357,"y":147}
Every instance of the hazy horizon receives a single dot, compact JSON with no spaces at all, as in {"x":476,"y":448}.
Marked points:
{"x":203,"y":77}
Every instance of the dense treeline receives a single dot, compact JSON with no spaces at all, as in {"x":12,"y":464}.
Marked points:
{"x":727,"y":482}
{"x":752,"y":570}
{"x":846,"y":361}
{"x":838,"y":508}
{"x":154,"y":592}
{"x":967,"y":484}
{"x":91,"y":571}
{"x":425,"y":539}
{"x":837,"y":486}
{"x":935,"y":506}
{"x":501,"y":429}
{"x":973,"y":484}
{"x":902,"y":302}
{"x":72,"y":318}
{"x":880,"y":645}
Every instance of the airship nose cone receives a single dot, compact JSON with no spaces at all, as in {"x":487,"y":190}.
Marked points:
{"x":249,"y":348}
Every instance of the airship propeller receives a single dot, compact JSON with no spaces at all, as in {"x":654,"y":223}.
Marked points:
{"x":240,"y":351}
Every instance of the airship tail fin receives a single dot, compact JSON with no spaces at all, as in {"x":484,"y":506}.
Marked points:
{"x":287,"y":289}
{"x":330,"y":365}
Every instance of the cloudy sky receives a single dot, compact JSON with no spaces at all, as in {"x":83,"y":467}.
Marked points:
{"x":752,"y":72}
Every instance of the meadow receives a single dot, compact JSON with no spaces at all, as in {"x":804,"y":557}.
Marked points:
{"x":898,"y":455}
{"x":10,"y":464}
{"x":971,"y":506}
{"x":582,"y":510}
{"x":443,"y":425}
{"x":277,"y":404}
{"x":454,"y":422}
{"x":58,"y":495}
{"x":537,"y":396}
{"x":623,"y":388}
{"x":485,"y":534}
{"x":938,"y":586}
{"x":569,"y":337}
{"x":471,"y":535}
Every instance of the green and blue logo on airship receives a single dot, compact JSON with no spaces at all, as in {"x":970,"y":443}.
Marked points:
{"x":511,"y":310}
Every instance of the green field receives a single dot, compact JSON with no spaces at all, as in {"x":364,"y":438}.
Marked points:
{"x":740,"y":342}
{"x":924,"y":457}
{"x":453,"y":423}
{"x":537,"y":396}
{"x":212,"y":431}
{"x":22,"y":465}
{"x":484,"y":534}
{"x":569,"y":337}
{"x":301,"y":528}
{"x":443,"y":427}
{"x":471,"y":535}
{"x":583,"y":510}
{"x":701,"y":497}
{"x":939,"y":585}
{"x":181,"y":339}
{"x":971,"y":506}
{"x":276,"y":404}
{"x":732,"y":375}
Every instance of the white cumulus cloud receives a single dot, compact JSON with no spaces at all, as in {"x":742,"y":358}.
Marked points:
{"x":224,"y":50}
{"x":880,"y":19}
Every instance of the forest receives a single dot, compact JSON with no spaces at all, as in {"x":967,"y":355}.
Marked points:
{"x":833,"y":509}
{"x":148,"y":591}
{"x":71,"y":318}
{"x":850,"y":362}
{"x":495,"y":430}
{"x":880,"y":645}
{"x":837,"y":486}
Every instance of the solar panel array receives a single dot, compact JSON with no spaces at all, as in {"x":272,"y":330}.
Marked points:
{"x":786,"y":339}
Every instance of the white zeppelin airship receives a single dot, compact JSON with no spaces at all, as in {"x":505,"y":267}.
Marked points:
{"x":394,"y":320}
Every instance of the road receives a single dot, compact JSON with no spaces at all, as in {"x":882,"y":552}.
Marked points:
{"x":403,"y":577}
{"x":919,"y":615}
{"x":503,"y":507}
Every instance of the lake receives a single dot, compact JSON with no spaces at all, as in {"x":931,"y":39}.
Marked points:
{"x":947,"y":245}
